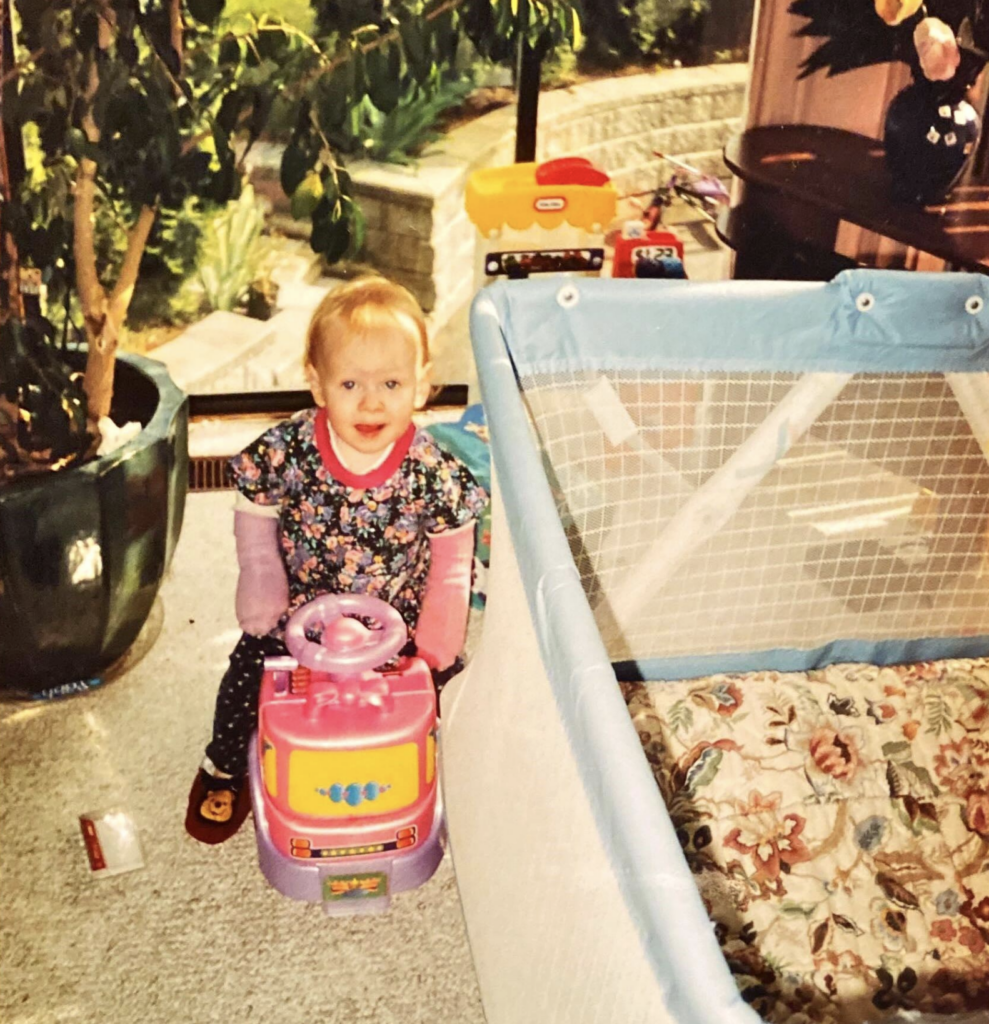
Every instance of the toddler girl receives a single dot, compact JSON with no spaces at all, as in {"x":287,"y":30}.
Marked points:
{"x":345,"y":497}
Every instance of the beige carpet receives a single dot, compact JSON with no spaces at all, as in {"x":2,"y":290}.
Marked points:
{"x":196,"y":935}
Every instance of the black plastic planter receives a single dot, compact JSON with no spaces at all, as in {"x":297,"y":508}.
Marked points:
{"x":83,"y":551}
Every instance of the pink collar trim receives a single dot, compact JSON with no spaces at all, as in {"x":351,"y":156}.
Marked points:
{"x":376,"y":477}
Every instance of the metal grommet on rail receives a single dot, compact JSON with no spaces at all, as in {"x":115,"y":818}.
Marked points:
{"x":974,"y":304}
{"x":568,"y":296}
{"x":865,"y":302}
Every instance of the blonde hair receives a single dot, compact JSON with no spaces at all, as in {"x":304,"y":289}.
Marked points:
{"x":363,"y":304}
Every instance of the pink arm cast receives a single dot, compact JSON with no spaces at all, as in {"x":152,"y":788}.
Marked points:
{"x":262,"y":587}
{"x":442,"y":622}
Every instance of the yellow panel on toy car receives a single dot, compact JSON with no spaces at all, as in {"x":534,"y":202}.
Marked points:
{"x":353,"y":783}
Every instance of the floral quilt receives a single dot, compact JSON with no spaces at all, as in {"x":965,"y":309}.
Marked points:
{"x":837,"y":825}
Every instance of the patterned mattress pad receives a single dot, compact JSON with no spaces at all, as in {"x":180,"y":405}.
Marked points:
{"x":837,"y":825}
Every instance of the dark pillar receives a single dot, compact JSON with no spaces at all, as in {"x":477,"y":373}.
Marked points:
{"x":527,"y":92}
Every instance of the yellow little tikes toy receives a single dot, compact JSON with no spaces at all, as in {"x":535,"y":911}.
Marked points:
{"x":540,"y":218}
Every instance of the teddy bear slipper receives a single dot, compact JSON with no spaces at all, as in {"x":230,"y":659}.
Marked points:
{"x":217,"y":807}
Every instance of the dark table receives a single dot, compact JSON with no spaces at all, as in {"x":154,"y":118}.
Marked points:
{"x":801,"y":180}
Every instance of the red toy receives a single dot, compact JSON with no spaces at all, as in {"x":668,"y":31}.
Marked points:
{"x":640,"y":252}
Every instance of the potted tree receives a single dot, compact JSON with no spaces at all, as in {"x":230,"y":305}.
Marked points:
{"x":85,"y":537}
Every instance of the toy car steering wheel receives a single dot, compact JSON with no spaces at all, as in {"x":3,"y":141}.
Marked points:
{"x":348,"y":647}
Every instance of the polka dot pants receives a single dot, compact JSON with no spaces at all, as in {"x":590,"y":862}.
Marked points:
{"x":236,"y":715}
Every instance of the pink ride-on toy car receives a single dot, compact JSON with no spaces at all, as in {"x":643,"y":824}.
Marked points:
{"x":343,"y":767}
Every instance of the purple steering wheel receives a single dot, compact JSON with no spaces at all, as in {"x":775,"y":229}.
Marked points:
{"x":348,"y":647}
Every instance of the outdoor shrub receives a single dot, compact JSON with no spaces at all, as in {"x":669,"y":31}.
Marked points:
{"x":672,"y":28}
{"x":399,"y":134}
{"x":168,"y":289}
{"x":620,"y":32}
{"x":231,"y":251}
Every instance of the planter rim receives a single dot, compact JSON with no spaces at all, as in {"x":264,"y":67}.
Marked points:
{"x":170,"y":398}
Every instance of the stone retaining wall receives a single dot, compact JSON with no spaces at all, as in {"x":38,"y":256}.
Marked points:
{"x":418,"y":230}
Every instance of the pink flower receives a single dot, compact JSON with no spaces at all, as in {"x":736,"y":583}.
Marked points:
{"x":963,"y":766}
{"x":971,"y":938}
{"x":937,"y":49}
{"x":943,"y":930}
{"x":976,"y":816}
{"x":770,"y":840}
{"x":836,"y":755}
{"x":895,"y":11}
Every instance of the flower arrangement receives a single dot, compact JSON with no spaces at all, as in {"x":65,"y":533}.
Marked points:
{"x":930,"y":129}
{"x":943,"y":41}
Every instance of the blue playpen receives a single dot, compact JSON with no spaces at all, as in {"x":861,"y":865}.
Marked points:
{"x":722,"y":753}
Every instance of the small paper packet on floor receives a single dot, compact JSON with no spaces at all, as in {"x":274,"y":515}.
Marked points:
{"x":112,"y":842}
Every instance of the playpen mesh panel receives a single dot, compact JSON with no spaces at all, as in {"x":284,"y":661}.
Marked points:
{"x":700,"y":526}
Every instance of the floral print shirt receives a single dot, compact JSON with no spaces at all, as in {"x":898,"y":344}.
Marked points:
{"x":347,"y":533}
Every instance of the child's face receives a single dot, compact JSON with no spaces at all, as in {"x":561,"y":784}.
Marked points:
{"x":369,"y":384}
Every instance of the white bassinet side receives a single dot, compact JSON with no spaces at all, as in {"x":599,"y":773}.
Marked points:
{"x":551,"y":937}
{"x":579,"y":904}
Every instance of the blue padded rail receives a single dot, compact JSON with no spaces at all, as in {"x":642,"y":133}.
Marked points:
{"x":862,"y":321}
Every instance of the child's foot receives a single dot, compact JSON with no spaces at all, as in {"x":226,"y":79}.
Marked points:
{"x":442,"y":677}
{"x":217,"y":807}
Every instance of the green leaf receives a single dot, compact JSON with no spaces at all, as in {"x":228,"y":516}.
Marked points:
{"x":358,"y":75}
{"x":128,"y":51}
{"x":415,"y":43}
{"x":894,"y":750}
{"x":401,"y":133}
{"x":297,"y":161}
{"x":306,"y":197}
{"x":207,"y":12}
{"x":230,"y":50}
{"x":445,"y":37}
{"x":231,"y":107}
{"x":87,"y":30}
{"x":384,"y":85}
{"x":356,"y":226}
{"x":258,"y":74}
{"x":271,"y":43}
{"x":790,"y":909}
{"x":230,"y":251}
{"x":333,"y":96}
{"x":344,"y":184}
{"x":922,"y":775}
{"x":681,"y":716}
{"x":261,"y":100}
{"x":330,"y":237}
{"x":704,"y":769}
{"x":938,"y":714}
{"x":331,"y":186}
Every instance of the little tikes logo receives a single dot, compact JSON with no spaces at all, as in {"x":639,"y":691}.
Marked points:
{"x":550,"y":204}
